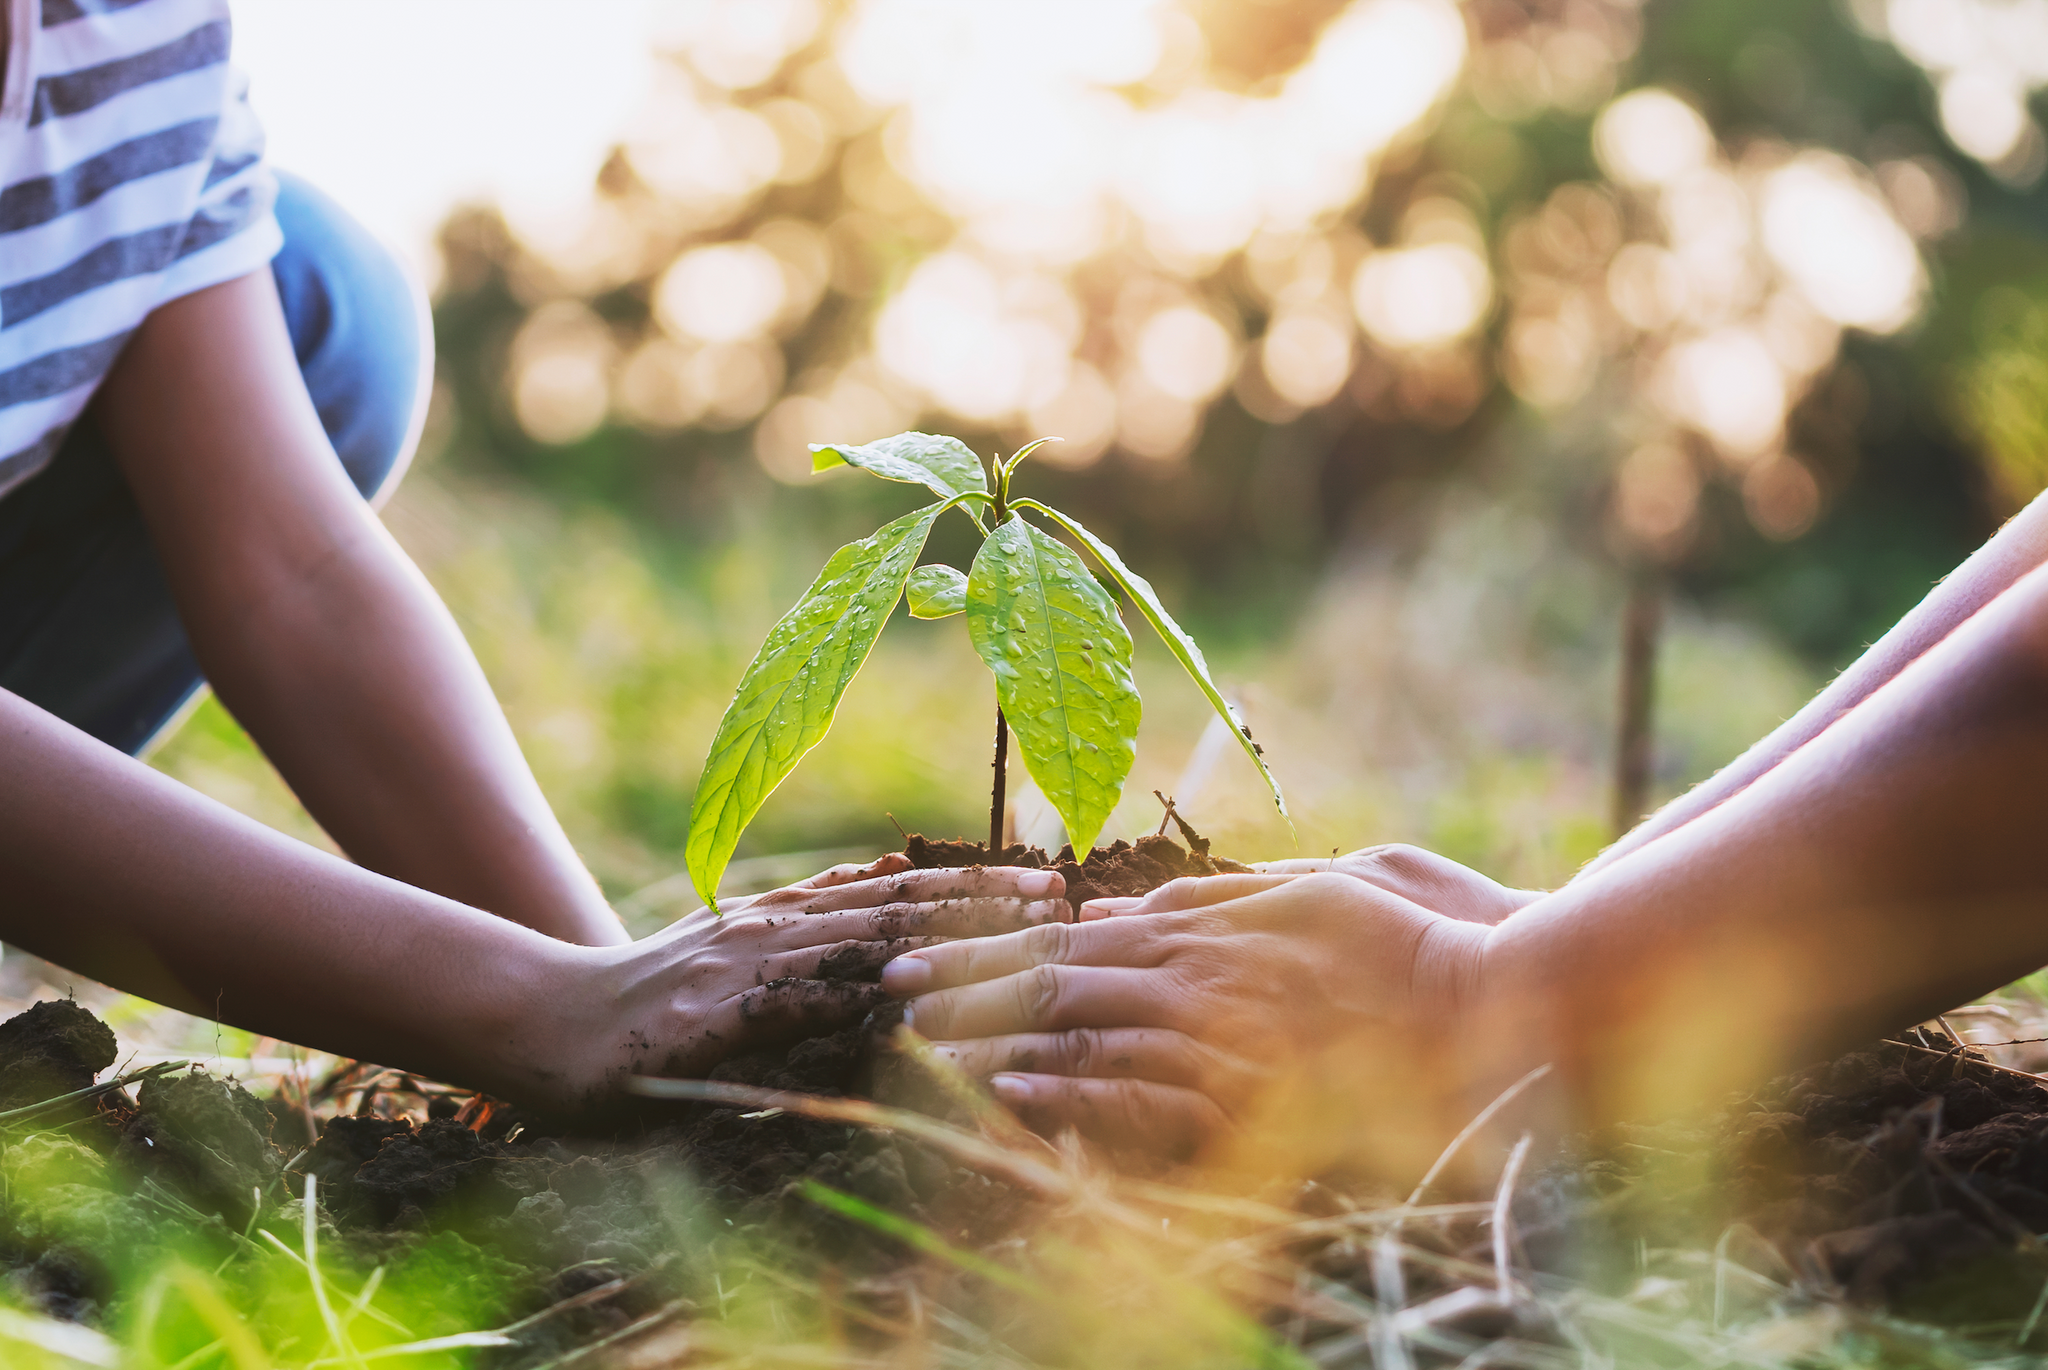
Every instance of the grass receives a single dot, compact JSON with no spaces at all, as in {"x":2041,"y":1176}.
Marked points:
{"x":1112,"y":1269}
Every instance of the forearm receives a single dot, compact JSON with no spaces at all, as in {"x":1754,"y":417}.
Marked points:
{"x":1888,"y":870}
{"x":120,"y":873}
{"x":2016,"y":549}
{"x":358,"y":685}
{"x":318,"y":632}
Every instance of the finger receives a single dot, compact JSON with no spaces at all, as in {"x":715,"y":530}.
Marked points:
{"x":1124,"y":1113}
{"x":1188,"y":892}
{"x":1049,"y":998}
{"x":856,"y":961}
{"x":989,"y":958}
{"x":1155,"y":1054}
{"x":946,"y":918}
{"x":889,"y":863}
{"x":919,"y":887}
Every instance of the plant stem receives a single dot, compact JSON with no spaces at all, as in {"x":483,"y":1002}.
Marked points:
{"x":996,"y":795}
{"x":998,"y":512}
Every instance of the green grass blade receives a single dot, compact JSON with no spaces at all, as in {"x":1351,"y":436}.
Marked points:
{"x":947,"y":466}
{"x":786,"y":700}
{"x":937,"y":592}
{"x":1177,"y":641}
{"x":1062,"y":663}
{"x":916,"y":1236}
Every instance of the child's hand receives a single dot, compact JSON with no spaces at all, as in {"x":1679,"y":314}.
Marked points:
{"x":793,"y":962}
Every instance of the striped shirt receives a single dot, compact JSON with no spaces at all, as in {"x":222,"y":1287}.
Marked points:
{"x":131,"y":173}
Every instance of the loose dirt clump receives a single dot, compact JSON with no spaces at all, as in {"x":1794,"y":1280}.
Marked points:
{"x":54,"y":1048}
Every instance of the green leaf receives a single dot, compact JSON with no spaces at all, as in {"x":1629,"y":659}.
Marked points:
{"x":1062,"y":662}
{"x":946,"y":465}
{"x":1182,"y":646}
{"x":786,"y":700}
{"x":937,"y":591}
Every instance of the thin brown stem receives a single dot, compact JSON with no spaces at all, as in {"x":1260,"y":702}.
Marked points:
{"x":996,"y":795}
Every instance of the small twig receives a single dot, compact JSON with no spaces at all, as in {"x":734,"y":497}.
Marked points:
{"x":894,"y":824}
{"x":1506,"y":1097}
{"x":30,"y":1112}
{"x":571,"y":1304}
{"x":965,"y":1146}
{"x":1986,"y":1062}
{"x":1390,"y":1292}
{"x":2033,"y":1317}
{"x":653,"y":1320}
{"x":1166,"y":817}
{"x":1504,"y":1216}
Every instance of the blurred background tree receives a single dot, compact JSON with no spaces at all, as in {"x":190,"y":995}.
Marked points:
{"x":1421,"y":353}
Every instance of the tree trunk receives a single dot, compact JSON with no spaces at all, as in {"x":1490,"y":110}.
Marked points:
{"x":1642,"y":624}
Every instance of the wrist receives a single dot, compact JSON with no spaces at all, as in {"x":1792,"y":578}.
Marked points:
{"x":1449,"y":967}
{"x":533,"y":1025}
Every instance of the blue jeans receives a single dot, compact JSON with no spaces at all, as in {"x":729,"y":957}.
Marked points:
{"x":88,"y":629}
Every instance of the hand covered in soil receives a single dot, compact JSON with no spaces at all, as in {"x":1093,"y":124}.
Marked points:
{"x":1171,"y":1030}
{"x":794,"y":962}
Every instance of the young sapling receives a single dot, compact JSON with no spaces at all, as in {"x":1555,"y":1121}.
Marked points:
{"x":1047,"y":629}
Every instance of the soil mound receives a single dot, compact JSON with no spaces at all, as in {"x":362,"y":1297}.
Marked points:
{"x":1119,"y":870}
{"x":54,"y":1048}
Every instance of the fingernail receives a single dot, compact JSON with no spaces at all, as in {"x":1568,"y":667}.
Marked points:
{"x":906,"y":975}
{"x":1109,"y":908}
{"x":1014,"y":1090}
{"x":1032,"y":884}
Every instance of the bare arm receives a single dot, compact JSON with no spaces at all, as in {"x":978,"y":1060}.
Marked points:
{"x":2016,"y":549}
{"x":318,"y":633}
{"x":120,"y":873}
{"x":1887,"y":870}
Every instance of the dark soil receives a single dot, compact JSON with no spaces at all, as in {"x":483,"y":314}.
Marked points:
{"x":1115,"y":871}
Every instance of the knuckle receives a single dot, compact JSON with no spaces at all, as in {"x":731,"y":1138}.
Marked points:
{"x":1046,"y":942}
{"x":1083,"y":1050}
{"x":1039,"y":993}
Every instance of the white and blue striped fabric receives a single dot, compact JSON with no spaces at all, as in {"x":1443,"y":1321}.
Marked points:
{"x":131,"y":172}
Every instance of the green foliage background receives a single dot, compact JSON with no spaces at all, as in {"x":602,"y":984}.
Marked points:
{"x":1413,"y":588}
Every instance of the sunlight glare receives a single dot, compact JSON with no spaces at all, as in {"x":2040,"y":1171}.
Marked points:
{"x":1650,"y":137}
{"x":721,"y":293}
{"x":1835,"y":237}
{"x":1421,"y":296}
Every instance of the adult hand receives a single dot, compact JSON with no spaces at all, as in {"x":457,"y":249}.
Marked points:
{"x":794,"y":962}
{"x":1172,"y":1030}
{"x":1434,"y":882}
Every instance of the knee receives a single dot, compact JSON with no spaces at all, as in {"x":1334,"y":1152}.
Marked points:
{"x":362,"y":334}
